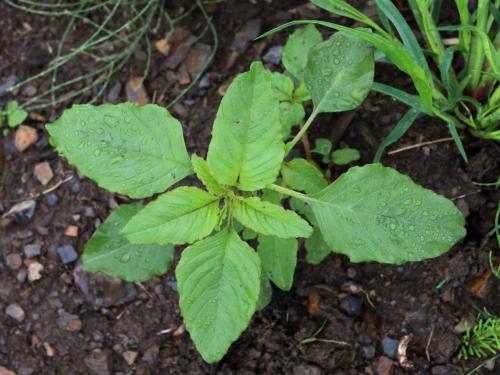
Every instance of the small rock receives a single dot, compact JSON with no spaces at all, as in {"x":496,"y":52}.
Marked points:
{"x":384,"y":366}
{"x":8,"y":83}
{"x":25,"y":370}
{"x":99,"y":362}
{"x":460,"y":327}
{"x":34,"y":269}
{"x":30,"y":90}
{"x":463,"y":206}
{"x":15,"y":311}
{"x":352,"y":273}
{"x":52,"y":199}
{"x":4,"y":371}
{"x":49,"y":350}
{"x":130,"y":357}
{"x":21,"y":275}
{"x":162,"y":46}
{"x":21,"y":212}
{"x":75,"y":185}
{"x":136,"y":92}
{"x":32,"y":250}
{"x":114,"y":93}
{"x":71,"y":231}
{"x":67,"y":254}
{"x":351,"y":305}
{"x":204,"y":82}
{"x":89,"y":212}
{"x":390,"y":346}
{"x":25,"y":137}
{"x":43,"y":172}
{"x":368,"y":351}
{"x":273,"y":55}
{"x":197,"y":57}
{"x":14,"y":261}
{"x":69,"y":322}
{"x":304,"y":369}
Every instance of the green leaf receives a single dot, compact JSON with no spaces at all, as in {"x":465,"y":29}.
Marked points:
{"x":345,"y":156}
{"x":374,"y":213}
{"x":109,"y":252}
{"x":291,"y":114}
{"x":301,"y":94}
{"x":294,"y":56}
{"x":218,"y":280}
{"x":300,"y":174}
{"x":265,"y":293}
{"x":323,"y":146}
{"x":316,"y":248}
{"x":180,"y":216}
{"x":136,"y":151}
{"x":205,"y":175}
{"x":248,"y":234}
{"x":247,"y":149}
{"x":272,"y":196}
{"x":269,"y":219}
{"x":15,"y":115}
{"x":282,"y":86}
{"x":339,"y":73}
{"x":279,"y":258}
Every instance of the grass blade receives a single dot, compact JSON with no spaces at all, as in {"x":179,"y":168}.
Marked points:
{"x":401,"y":128}
{"x":405,"y":32}
{"x":408,"y":99}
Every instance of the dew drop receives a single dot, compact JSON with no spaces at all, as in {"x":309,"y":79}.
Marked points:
{"x":125,"y":257}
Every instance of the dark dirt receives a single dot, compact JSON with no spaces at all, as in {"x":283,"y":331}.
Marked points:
{"x":79,"y":323}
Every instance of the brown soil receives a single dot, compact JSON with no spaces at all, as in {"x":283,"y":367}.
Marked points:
{"x":119,"y":317}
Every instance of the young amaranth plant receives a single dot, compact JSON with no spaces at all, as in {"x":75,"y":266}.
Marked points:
{"x":462,"y":95}
{"x":370,"y":213}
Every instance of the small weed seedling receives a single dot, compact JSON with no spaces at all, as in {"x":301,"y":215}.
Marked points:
{"x":13,"y":114}
{"x":483,"y":339}
{"x":370,"y":213}
{"x":467,"y":97}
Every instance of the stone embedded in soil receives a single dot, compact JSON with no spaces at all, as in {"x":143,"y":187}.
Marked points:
{"x":368,"y":351}
{"x":384,"y":366}
{"x":305,"y":369}
{"x":34,"y":270}
{"x":52,"y":199}
{"x":99,"y":362}
{"x":351,"y":305}
{"x":25,"y":137}
{"x":49,"y":350}
{"x":13,"y":261}
{"x":43,"y":172}
{"x":390,"y":346}
{"x":15,"y":311}
{"x":22,"y":212}
{"x":75,"y":185}
{"x":197,"y":56}
{"x":71,"y":231}
{"x":67,"y":254}
{"x":69,"y":322}
{"x":130,"y":357}
{"x":273,"y":55}
{"x":5,"y":371}
{"x":32,"y":250}
{"x":479,"y":286}
{"x":136,"y":93}
{"x":8,"y":83}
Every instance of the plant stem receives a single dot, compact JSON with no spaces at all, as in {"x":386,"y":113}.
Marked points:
{"x":305,"y":143}
{"x":301,"y":132}
{"x":291,"y":193}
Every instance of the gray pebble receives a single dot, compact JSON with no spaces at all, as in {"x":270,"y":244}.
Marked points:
{"x":52,"y":199}
{"x":67,"y":253}
{"x":390,"y":346}
{"x":351,"y":305}
{"x":273,"y":55}
{"x":14,"y":261}
{"x":32,"y":250}
{"x":15,"y":311}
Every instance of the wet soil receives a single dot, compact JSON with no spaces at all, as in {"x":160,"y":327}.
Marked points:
{"x":79,"y":323}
